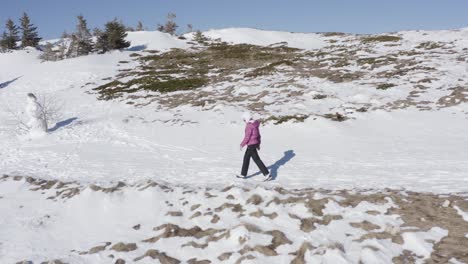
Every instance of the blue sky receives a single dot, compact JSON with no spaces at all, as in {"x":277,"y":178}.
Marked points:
{"x":355,"y":16}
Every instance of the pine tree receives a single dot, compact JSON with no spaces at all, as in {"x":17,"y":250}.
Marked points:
{"x":113,"y":37}
{"x":160,"y":28}
{"x":10,"y":36}
{"x":30,"y":37}
{"x":62,"y":51}
{"x":139,"y":26}
{"x":170,"y":26}
{"x":199,"y":37}
{"x":101,"y":42}
{"x":72,"y":51}
{"x":83,"y":38}
{"x":3,"y":42}
{"x":97,"y":32}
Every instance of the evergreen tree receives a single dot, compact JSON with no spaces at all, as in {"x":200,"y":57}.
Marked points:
{"x":101,"y":42}
{"x":10,"y":36}
{"x":97,"y":32}
{"x":30,"y":37}
{"x":62,"y":51}
{"x":72,"y":51}
{"x":160,"y":27}
{"x":170,"y":26}
{"x":83,"y":38}
{"x":139,"y":26}
{"x":113,"y":37}
{"x":199,"y":37}
{"x":3,"y":42}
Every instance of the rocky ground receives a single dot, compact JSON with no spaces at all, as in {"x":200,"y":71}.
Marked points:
{"x":351,"y":73}
{"x":236,"y":224}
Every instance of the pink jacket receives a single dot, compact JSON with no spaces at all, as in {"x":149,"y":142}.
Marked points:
{"x":252,"y":134}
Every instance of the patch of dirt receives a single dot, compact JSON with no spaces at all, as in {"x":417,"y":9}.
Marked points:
{"x":172,"y":230}
{"x":365,"y":225}
{"x":418,"y":212}
{"x":122,"y":247}
{"x":161,"y":256}
{"x":457,"y":96}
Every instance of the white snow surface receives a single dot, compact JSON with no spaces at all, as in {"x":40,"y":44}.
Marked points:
{"x":154,"y":40}
{"x":39,"y":229}
{"x":104,"y":141}
{"x":307,"y":41}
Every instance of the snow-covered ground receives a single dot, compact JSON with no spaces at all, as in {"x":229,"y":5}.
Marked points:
{"x":104,"y":142}
{"x":265,"y":38}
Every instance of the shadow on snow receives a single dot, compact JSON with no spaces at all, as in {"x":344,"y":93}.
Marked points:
{"x":62,"y":124}
{"x":287,"y":156}
{"x":5,"y":84}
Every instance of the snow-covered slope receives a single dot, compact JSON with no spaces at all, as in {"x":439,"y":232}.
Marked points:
{"x":412,"y":136}
{"x":252,"y":36}
{"x":154,"y":40}
{"x":408,"y":148}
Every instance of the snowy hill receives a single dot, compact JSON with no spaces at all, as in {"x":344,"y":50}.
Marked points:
{"x":264,"y":38}
{"x":365,"y":136}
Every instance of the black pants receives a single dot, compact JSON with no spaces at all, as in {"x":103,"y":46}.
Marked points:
{"x":251,"y":151}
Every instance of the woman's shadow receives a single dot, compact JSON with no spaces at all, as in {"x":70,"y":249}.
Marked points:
{"x":288,"y":155}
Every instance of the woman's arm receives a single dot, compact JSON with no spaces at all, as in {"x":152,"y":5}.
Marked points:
{"x":248,"y":134}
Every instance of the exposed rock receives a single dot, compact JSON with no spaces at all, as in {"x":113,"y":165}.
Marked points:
{"x":215,"y":219}
{"x":195,"y":245}
{"x":227,"y":188}
{"x":55,"y":261}
{"x":196,"y":261}
{"x":209,"y":195}
{"x":279,"y":238}
{"x":171,"y":230}
{"x":225,"y":256}
{"x":97,"y":249}
{"x":260,"y":213}
{"x":299,"y":259}
{"x":194,"y":207}
{"x":308,"y":224}
{"x":366,"y":225}
{"x":120,"y":261}
{"x":175,"y":213}
{"x":255,"y":199}
{"x":122,"y":247}
{"x":117,"y":187}
{"x":397,"y":239}
{"x":197,"y":214}
{"x":161,"y":256}
{"x":247,"y":257}
{"x":236,"y":208}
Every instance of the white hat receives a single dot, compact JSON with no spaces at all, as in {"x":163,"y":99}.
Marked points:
{"x":246,"y":116}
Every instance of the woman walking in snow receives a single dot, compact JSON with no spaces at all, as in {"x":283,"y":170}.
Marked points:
{"x":252,"y":140}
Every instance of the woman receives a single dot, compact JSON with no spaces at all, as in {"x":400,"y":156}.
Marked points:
{"x":252,"y":140}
